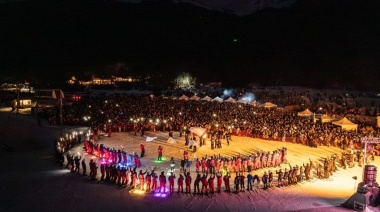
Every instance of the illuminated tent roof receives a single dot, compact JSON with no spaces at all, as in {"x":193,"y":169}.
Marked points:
{"x":231,"y":100}
{"x":195,"y":97}
{"x":306,"y":112}
{"x":206,"y":98}
{"x":254,"y":103}
{"x":217,"y":99}
{"x":268,"y":105}
{"x":183,"y":97}
{"x":242,"y":101}
{"x":326,"y":118}
{"x":346,"y":124}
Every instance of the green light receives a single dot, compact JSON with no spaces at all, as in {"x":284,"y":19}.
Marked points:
{"x":235,"y":40}
{"x":160,"y":161}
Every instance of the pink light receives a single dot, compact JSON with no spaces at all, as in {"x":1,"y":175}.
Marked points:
{"x":161,"y":194}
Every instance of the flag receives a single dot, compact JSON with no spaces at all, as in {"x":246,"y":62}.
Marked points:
{"x":149,"y":139}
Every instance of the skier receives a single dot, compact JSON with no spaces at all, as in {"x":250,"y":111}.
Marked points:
{"x":180,"y":183}
{"x":142,"y":147}
{"x":226,"y":180}
{"x":265,"y":180}
{"x":171,"y":183}
{"x":204,"y":183}
{"x":160,"y":149}
{"x":249,"y":181}
{"x":211,"y":183}
{"x":84,"y":167}
{"x":162,"y":180}
{"x":219,"y":181}
{"x":279,"y":178}
{"x":196,"y":184}
{"x":172,"y":164}
{"x":188,"y":183}
{"x":142,"y":178}
{"x":237,"y":182}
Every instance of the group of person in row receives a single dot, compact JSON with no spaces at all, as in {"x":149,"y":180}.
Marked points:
{"x":204,"y":183}
{"x":209,"y":171}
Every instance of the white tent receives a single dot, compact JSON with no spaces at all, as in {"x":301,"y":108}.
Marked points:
{"x":325,"y":118}
{"x":242,"y":101}
{"x":206,"y":98}
{"x":183,"y":97}
{"x":199,"y":131}
{"x":171,"y":140}
{"x":268,"y":105}
{"x":217,"y":99}
{"x":149,"y":139}
{"x":306,"y":112}
{"x":346,"y":124}
{"x":195,"y":97}
{"x":231,"y":100}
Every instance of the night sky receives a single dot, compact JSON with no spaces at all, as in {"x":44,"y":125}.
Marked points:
{"x":315,"y":43}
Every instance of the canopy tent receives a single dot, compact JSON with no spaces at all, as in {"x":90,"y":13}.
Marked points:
{"x":183,"y":97}
{"x":306,"y":112}
{"x":217,"y":99}
{"x":231,"y":100}
{"x":206,"y":98}
{"x":242,"y":101}
{"x":346,"y":124}
{"x":199,"y":131}
{"x":195,"y":97}
{"x":325,"y":118}
{"x":268,"y":105}
{"x":254,"y":103}
{"x":171,"y":140}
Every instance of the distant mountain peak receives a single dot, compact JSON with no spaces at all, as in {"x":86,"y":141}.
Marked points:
{"x":239,"y":7}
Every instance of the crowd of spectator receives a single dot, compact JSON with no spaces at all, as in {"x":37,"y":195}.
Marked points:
{"x":134,"y":112}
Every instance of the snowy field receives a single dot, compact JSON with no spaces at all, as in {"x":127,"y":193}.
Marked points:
{"x":30,"y":180}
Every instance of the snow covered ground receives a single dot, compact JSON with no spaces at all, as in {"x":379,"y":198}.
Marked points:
{"x":30,"y":180}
